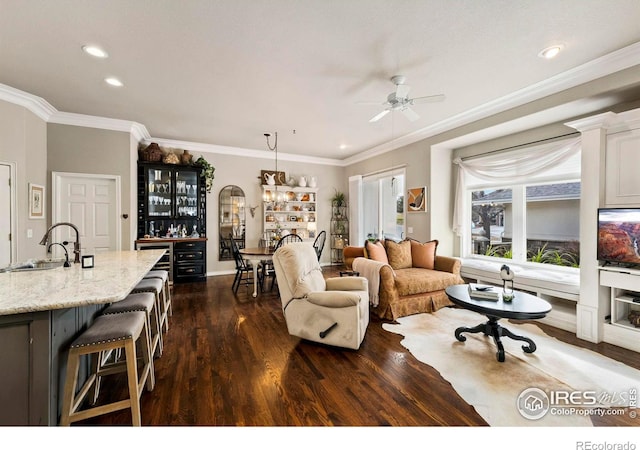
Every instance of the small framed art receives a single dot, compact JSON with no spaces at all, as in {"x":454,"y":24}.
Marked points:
{"x":417,"y":199}
{"x":271,"y":177}
{"x":36,"y":201}
{"x":87,"y":261}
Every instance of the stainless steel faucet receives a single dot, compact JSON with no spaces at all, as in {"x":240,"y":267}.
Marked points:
{"x":76,"y":244}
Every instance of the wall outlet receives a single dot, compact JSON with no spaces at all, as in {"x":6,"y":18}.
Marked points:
{"x":409,"y":229}
{"x":29,"y":233}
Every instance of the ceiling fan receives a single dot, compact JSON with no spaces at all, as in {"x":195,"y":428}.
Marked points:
{"x":400,"y":100}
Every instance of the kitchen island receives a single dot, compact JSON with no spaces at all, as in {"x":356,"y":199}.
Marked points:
{"x":41,"y":312}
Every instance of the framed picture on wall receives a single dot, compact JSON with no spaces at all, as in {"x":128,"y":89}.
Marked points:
{"x":272,"y":177}
{"x":36,"y":201}
{"x":417,"y":199}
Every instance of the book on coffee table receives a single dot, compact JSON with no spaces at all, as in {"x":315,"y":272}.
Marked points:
{"x":484,"y":292}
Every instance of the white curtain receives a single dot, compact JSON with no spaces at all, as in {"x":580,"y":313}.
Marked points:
{"x":514,"y":167}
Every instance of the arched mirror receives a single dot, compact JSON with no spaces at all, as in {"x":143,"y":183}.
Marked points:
{"x":232,"y":220}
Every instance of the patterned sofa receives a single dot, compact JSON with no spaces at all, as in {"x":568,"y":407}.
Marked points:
{"x":410,"y":276}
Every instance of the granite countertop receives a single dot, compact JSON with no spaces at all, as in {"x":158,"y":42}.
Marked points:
{"x":111,"y":279}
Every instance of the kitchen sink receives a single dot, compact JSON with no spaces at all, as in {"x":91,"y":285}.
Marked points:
{"x":33,"y":265}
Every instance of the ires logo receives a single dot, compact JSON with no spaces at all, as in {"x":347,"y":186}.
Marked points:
{"x":575,"y":398}
{"x":534,"y":403}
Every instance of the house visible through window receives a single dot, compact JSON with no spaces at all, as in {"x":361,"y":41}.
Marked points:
{"x":551,"y":228}
{"x":490,"y":211}
{"x":522,"y":205}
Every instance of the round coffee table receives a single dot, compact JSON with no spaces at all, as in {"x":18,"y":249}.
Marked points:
{"x":523,"y":307}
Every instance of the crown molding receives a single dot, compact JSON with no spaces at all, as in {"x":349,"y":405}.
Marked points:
{"x":45,"y":111}
{"x":606,"y":65}
{"x":138,"y":130}
{"x":236,"y":151}
{"x":37,"y":105}
{"x":609,"y":121}
{"x":604,"y":120}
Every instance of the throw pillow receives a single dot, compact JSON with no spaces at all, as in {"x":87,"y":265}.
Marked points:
{"x":375,"y":250}
{"x":424,"y":255}
{"x":399,"y":254}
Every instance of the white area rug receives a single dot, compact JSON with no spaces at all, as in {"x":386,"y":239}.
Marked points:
{"x":491,"y":387}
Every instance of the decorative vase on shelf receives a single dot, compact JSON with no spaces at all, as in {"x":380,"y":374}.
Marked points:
{"x":186,"y":157}
{"x":302,"y":182}
{"x":313,"y":182}
{"x":171,"y":158}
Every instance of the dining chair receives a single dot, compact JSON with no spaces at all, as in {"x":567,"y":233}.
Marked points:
{"x":318,"y":244}
{"x":268,"y":271}
{"x":244,"y":269}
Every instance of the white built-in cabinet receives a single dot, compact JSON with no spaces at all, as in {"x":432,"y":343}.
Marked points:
{"x":622,"y":160}
{"x":289,"y":209}
{"x":622,"y":188}
{"x":610,"y":161}
{"x":624,"y":287}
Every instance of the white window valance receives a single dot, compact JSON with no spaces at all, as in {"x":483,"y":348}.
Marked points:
{"x":524,"y":166}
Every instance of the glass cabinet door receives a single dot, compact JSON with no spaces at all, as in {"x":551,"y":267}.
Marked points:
{"x":186,"y":193}
{"x":159,"y":192}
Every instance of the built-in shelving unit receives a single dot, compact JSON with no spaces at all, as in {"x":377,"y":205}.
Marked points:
{"x":625,"y":297}
{"x":339,"y":237}
{"x":172,"y":216}
{"x":170,"y":195}
{"x":289,"y":210}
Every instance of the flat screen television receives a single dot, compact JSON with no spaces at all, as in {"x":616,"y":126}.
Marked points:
{"x":619,"y":236}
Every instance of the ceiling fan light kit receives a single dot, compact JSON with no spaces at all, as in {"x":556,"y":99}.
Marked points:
{"x":400,"y":100}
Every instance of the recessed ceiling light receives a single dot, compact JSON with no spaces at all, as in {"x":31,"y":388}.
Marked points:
{"x":343,"y":146}
{"x":95,"y":51}
{"x":551,"y":52}
{"x":113,"y":81}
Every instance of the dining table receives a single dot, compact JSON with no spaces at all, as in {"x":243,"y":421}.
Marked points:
{"x":256,"y":255}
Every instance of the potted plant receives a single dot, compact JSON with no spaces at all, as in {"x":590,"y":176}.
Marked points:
{"x":338,"y":198}
{"x":207,"y":172}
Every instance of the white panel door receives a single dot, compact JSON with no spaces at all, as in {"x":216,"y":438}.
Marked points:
{"x":5,"y":215}
{"x":91,"y":202}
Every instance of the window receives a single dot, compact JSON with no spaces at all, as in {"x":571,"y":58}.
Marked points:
{"x":383,"y":205}
{"x":490,"y":213}
{"x":553,"y":223}
{"x":551,"y":228}
{"x":522,"y":205}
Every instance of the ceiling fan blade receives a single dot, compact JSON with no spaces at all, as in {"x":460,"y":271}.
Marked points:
{"x":402,"y":91}
{"x":410,"y":114}
{"x":379,"y":116}
{"x":370,"y":103}
{"x":427,"y":99}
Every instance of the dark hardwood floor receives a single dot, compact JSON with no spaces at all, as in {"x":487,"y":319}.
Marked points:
{"x":229,"y":361}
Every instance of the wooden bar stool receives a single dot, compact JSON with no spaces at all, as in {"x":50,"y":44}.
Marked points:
{"x":108,"y":333}
{"x":145,"y":302}
{"x":164,"y":276}
{"x":155,"y":286}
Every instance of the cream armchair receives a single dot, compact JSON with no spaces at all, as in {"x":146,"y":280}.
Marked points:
{"x":333,"y":311}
